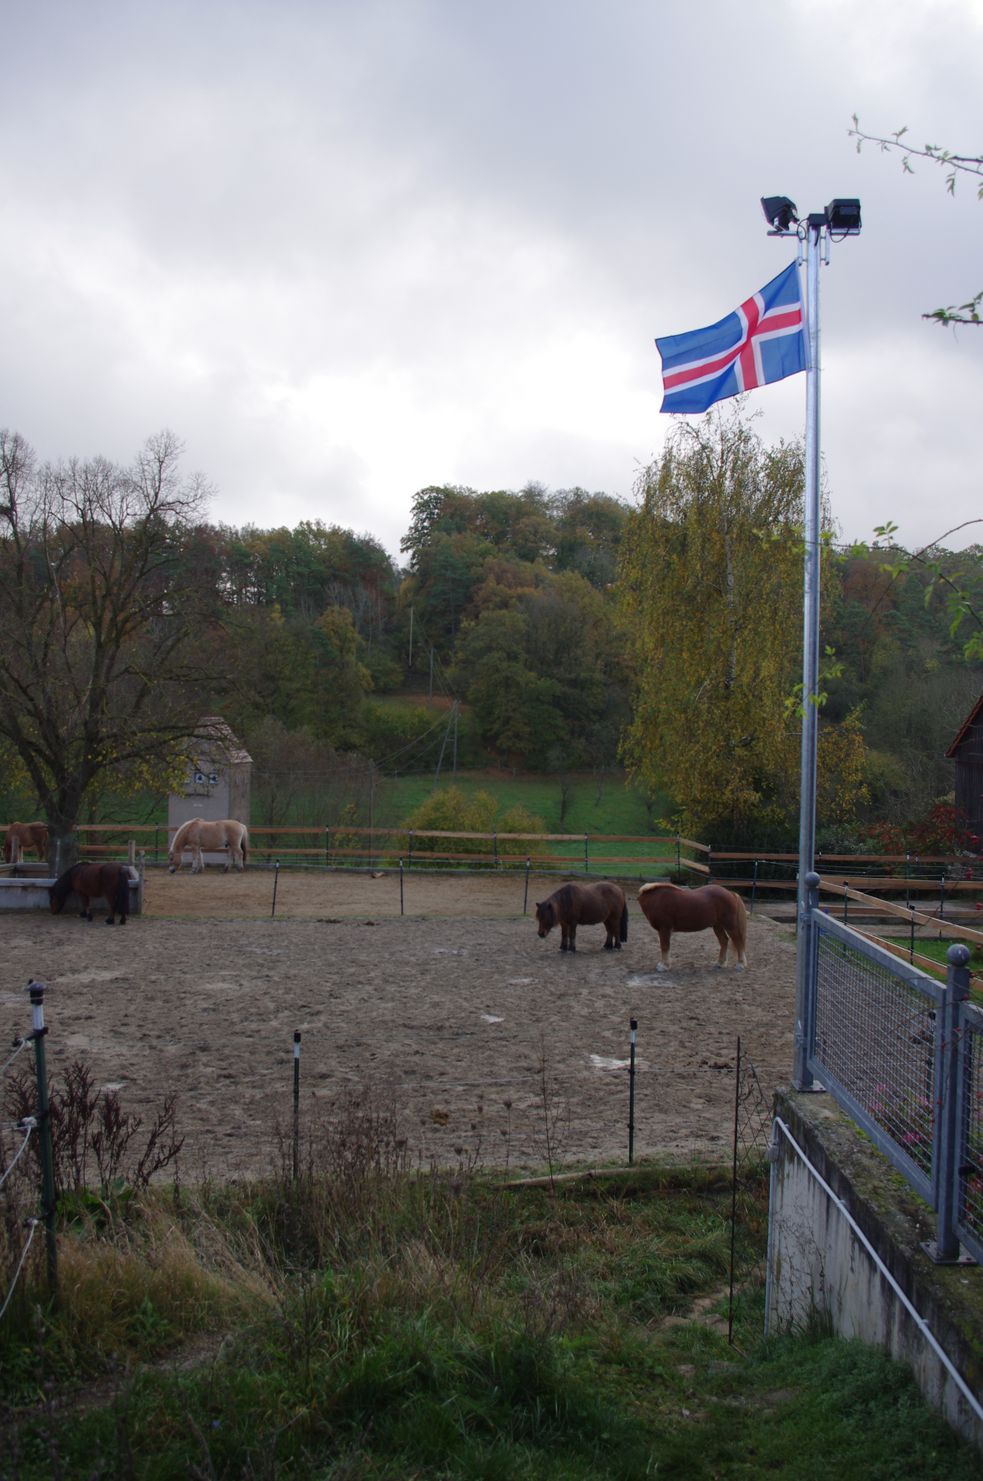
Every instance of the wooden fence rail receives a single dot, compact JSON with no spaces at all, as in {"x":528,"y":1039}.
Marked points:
{"x":630,"y":854}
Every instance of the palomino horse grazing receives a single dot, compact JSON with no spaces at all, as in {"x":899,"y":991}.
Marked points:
{"x":574,"y":905}
{"x":23,"y":836}
{"x":109,"y":882}
{"x":198,"y":834}
{"x":669,"y":908}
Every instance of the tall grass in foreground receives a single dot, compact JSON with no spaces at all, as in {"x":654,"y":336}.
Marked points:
{"x":368,"y":1319}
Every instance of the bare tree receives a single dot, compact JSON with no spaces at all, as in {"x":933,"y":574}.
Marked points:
{"x":101,"y":616}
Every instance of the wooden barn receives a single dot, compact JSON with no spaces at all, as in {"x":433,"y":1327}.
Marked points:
{"x":967,"y":753}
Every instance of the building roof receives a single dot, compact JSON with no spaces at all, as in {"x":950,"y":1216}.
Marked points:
{"x":213,"y":731}
{"x":971,"y":719}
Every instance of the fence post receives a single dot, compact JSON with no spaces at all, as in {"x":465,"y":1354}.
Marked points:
{"x":754,"y":884}
{"x":400,"y":886}
{"x":946,"y":1135}
{"x":327,"y":846}
{"x":633,"y":1024}
{"x":525,"y":897}
{"x":806,"y":987}
{"x":942,"y":898}
{"x":38,"y":1032}
{"x":846,"y":900}
{"x":276,"y":879}
{"x":587,"y":853}
{"x":296,"y":1158}
{"x":911,"y":941}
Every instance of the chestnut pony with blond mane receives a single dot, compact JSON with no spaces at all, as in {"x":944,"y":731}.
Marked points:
{"x":668,"y":907}
{"x":200,"y":835}
{"x":28,"y":836}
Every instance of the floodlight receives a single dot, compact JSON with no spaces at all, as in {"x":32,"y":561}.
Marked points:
{"x":843,"y":217}
{"x":779,"y":211}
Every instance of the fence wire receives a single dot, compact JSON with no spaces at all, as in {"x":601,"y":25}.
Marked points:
{"x":27,"y":1125}
{"x":32,"y":1225}
{"x":875,"y":1040}
{"x":970,"y":1170}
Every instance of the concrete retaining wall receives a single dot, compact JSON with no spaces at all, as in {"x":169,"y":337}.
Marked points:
{"x":820,"y":1266}
{"x":30,"y":892}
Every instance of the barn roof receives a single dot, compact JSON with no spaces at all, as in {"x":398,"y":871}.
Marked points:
{"x":213,"y":731}
{"x":974,"y":715}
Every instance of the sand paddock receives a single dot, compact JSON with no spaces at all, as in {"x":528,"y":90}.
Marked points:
{"x":455,"y":1013}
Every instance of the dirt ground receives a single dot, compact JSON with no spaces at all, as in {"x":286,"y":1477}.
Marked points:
{"x":454,"y":1012}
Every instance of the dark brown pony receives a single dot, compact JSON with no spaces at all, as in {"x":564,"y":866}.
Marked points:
{"x":28,"y":836}
{"x":574,"y":905}
{"x":109,"y":882}
{"x":668,"y":908}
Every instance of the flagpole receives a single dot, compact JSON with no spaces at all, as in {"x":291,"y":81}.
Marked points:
{"x":805,"y":985}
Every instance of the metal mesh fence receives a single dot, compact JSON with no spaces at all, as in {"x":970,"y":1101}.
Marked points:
{"x":970,"y":1167}
{"x":875,"y":1043}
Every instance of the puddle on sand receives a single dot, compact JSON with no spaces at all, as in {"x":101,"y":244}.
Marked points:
{"x":601,"y":1062}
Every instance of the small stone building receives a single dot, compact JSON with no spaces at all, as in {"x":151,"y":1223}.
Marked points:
{"x":217,"y":783}
{"x":967,"y":753}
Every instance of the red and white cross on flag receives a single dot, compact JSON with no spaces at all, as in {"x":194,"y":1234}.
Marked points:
{"x":761,"y":342}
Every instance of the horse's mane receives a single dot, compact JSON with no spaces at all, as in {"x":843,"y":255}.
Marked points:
{"x":658,"y":884}
{"x":183,"y":831}
{"x":63,"y":884}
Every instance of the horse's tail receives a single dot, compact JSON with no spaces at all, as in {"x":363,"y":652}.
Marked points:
{"x":740,"y":925}
{"x":244,"y":844}
{"x":120,"y":903}
{"x":624,"y":922}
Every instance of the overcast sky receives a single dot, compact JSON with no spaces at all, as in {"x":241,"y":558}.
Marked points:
{"x":349,"y":248}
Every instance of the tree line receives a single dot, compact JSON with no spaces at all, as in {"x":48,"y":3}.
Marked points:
{"x":569,"y":630}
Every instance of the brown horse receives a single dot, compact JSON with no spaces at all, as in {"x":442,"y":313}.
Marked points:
{"x":109,"y":882}
{"x":23,"y":836}
{"x":198,"y":834}
{"x":669,"y":908}
{"x":574,"y":905}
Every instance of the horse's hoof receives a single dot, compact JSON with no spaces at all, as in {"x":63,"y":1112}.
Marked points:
{"x":740,"y":966}
{"x":661,"y":967}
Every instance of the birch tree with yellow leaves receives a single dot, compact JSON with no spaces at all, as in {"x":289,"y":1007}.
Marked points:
{"x":710,"y":592}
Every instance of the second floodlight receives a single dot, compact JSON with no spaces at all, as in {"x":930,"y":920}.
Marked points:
{"x":780,"y":212}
